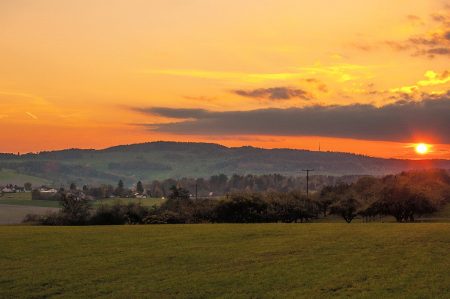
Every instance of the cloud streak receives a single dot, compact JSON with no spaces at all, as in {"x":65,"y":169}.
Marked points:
{"x":31,"y":115}
{"x":275,"y":93}
{"x":342,"y":72}
{"x":400,"y":121}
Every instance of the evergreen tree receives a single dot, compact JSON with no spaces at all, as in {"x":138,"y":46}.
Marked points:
{"x":139,"y":187}
{"x":120,"y":188}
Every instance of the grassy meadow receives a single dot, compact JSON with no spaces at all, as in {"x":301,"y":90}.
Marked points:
{"x":227,"y":261}
{"x":15,"y":206}
{"x":14,"y":214}
{"x":24,"y":199}
{"x":9,"y":176}
{"x":146,"y":202}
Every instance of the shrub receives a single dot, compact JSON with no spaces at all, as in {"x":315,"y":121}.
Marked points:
{"x":131,"y":213}
{"x":32,"y":219}
{"x":108,"y":215}
{"x":241,"y":208}
{"x":164,"y":217}
{"x":57,"y":218}
{"x":290,"y":207}
{"x":75,"y":209}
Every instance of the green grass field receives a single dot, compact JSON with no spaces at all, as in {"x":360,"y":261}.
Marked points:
{"x":147,"y":202}
{"x":14,"y":214}
{"x":8,"y":176}
{"x":15,"y":206}
{"x":227,"y":261}
{"x":24,"y":199}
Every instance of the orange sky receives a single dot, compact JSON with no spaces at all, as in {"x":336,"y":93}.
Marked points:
{"x":72,"y":72}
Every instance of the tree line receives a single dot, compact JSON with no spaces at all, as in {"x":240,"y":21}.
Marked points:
{"x":222,"y":184}
{"x":404,"y":196}
{"x":216,"y":185}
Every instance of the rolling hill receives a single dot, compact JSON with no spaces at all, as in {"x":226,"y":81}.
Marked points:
{"x":159,"y":160}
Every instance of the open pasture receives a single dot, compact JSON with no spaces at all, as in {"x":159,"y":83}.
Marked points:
{"x":229,"y":261}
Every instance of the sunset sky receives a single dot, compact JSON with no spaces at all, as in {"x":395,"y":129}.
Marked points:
{"x":369,"y":77}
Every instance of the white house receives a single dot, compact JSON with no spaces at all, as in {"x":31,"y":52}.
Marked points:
{"x":45,"y":190}
{"x":8,"y":190}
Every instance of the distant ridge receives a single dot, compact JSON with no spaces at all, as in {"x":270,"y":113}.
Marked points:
{"x":164,"y":159}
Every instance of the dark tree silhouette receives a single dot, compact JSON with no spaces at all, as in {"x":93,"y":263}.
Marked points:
{"x":28,"y":186}
{"x":178,"y":193}
{"x":139,"y":187}
{"x":120,"y":190}
{"x":75,"y":209}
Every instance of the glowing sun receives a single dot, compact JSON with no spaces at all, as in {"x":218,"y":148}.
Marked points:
{"x":422,"y":148}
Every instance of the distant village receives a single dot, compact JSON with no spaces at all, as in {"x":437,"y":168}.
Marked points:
{"x":90,"y":193}
{"x":10,"y":188}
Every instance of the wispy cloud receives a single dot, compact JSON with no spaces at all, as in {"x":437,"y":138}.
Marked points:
{"x":341,"y":72}
{"x":34,"y":98}
{"x":222,"y":75}
{"x":436,"y":41}
{"x":432,"y":78}
{"x":431,"y":43}
{"x":31,"y":115}
{"x":275,"y":93}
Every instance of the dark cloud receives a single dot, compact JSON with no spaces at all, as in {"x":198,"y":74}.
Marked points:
{"x":275,"y":93}
{"x":400,"y":121}
{"x":435,"y":51}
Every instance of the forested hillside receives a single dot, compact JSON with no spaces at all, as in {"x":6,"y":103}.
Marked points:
{"x":161,"y":160}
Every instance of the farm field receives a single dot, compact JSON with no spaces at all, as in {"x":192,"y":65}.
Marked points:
{"x":227,"y":260}
{"x":15,"y":206}
{"x":14,"y":214}
{"x":147,"y":202}
{"x":24,"y":199}
{"x":8,"y":176}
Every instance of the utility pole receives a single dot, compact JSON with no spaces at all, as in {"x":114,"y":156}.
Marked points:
{"x":196,"y":190}
{"x":307,"y":181}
